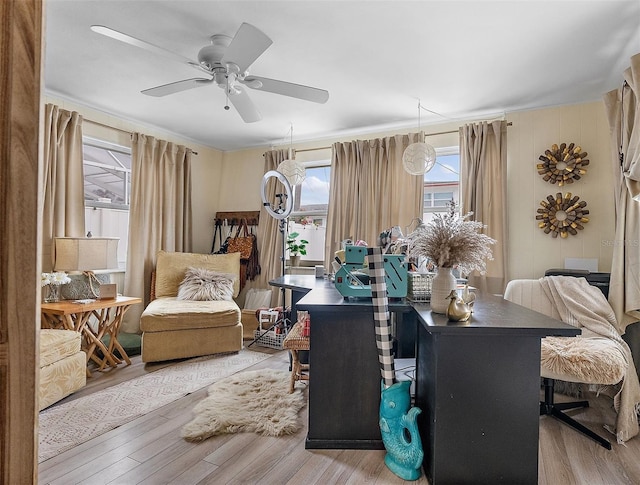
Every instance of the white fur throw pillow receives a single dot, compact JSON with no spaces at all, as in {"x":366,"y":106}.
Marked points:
{"x":204,"y":284}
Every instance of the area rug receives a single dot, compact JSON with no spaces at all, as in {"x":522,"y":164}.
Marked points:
{"x":69,"y":424}
{"x":251,"y":401}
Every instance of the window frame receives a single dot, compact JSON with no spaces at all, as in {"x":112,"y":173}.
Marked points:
{"x":109,"y":147}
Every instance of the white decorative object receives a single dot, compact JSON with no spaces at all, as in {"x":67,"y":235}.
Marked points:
{"x":441,"y":286}
{"x":293,"y":171}
{"x":419,"y":158}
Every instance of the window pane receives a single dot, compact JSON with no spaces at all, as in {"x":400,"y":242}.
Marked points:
{"x":314,"y":190}
{"x":441,"y":185}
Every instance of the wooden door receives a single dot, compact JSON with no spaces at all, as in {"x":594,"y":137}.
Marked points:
{"x":20,"y":85}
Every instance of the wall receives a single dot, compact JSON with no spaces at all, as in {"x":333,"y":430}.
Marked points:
{"x":206,"y":166}
{"x":531,"y":250}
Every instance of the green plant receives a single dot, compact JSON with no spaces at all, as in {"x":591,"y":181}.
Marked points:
{"x":296,"y":247}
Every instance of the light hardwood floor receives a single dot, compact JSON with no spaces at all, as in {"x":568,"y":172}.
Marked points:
{"x":149,"y":450}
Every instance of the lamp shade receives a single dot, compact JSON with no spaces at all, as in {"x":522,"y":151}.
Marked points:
{"x":419,"y":158}
{"x":293,"y":171}
{"x":85,"y":254}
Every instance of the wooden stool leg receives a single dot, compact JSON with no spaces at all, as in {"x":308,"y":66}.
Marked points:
{"x":295,"y":370}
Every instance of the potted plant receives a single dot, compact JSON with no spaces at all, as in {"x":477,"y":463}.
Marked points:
{"x":296,"y":248}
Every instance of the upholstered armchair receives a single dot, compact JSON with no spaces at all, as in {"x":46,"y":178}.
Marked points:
{"x":175,"y":328}
{"x":597,"y":357}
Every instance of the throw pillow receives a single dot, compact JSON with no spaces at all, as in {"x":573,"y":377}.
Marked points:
{"x":204,"y":284}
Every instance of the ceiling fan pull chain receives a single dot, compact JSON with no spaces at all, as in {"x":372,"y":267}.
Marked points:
{"x":226,"y":92}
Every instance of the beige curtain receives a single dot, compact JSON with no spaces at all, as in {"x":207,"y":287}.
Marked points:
{"x":159,"y":215}
{"x":483,"y":180}
{"x":63,"y":184}
{"x":268,"y":234}
{"x":623,"y":112}
{"x":370,"y":191}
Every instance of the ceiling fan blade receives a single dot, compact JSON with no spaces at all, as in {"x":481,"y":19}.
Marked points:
{"x":127,"y":39}
{"x":245,"y":107}
{"x":176,"y":87}
{"x":287,"y":89}
{"x":246,"y":46}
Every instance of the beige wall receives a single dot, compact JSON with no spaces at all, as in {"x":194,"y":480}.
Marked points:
{"x":206,"y":166}
{"x":231,"y":181}
{"x":531,"y":250}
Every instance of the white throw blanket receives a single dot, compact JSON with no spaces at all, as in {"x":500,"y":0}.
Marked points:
{"x":584,"y":306}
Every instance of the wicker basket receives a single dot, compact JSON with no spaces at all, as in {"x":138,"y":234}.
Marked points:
{"x":419,"y":286}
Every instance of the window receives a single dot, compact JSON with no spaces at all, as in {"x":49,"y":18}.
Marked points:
{"x":442,"y":183}
{"x":311,"y":202}
{"x":107,"y":174}
{"x":107,"y":190}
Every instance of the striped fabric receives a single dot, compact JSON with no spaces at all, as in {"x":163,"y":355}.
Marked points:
{"x":381,"y":315}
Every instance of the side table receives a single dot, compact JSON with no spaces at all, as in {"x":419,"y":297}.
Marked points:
{"x":73,"y":315}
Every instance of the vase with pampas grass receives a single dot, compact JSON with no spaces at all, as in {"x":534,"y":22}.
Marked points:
{"x":450,"y":241}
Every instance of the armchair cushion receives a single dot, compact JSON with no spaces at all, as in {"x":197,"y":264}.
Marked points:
{"x":171,"y":268}
{"x":169,"y":313}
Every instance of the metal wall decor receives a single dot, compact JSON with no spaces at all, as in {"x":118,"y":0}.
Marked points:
{"x":563,"y":164}
{"x":562,"y":214}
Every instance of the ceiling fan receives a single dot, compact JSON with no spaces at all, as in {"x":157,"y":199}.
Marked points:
{"x":226,"y":61}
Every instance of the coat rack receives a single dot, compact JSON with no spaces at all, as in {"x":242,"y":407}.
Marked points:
{"x":233,"y":218}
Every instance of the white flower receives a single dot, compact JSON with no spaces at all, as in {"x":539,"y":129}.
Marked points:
{"x":57,"y":278}
{"x":45,"y":279}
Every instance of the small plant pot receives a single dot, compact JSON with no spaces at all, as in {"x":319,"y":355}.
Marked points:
{"x":294,"y":260}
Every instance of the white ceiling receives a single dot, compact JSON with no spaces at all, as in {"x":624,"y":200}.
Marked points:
{"x":462,"y":60}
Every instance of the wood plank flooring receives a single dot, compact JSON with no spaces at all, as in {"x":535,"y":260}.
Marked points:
{"x":149,"y":450}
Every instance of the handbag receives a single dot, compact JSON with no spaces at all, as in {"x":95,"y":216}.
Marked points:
{"x":243,"y":244}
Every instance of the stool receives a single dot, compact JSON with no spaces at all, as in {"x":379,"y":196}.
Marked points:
{"x":294,"y":342}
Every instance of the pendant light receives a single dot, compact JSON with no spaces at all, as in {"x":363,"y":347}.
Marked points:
{"x":418,"y":158}
{"x":290,"y":168}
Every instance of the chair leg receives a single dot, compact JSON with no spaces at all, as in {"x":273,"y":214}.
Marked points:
{"x":549,"y":408}
{"x":295,"y":369}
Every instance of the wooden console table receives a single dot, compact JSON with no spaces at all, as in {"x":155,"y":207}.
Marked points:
{"x":71,"y":315}
{"x":477,"y":384}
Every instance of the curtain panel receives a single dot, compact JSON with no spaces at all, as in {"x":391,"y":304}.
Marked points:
{"x":370,"y":191}
{"x":159,"y":214}
{"x":63,"y":179}
{"x":623,"y":113}
{"x":268,"y":234}
{"x":483,"y":184}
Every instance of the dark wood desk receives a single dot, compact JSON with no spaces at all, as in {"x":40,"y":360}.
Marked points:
{"x":477,"y":384}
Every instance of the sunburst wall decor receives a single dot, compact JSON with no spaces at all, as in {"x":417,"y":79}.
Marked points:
{"x":562,"y":214}
{"x":563,"y":164}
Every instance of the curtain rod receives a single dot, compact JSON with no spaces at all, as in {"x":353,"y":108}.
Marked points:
{"x":116,"y":129}
{"x":426,"y":134}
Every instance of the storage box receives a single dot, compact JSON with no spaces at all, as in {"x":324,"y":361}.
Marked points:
{"x":265,"y":335}
{"x":419,"y":286}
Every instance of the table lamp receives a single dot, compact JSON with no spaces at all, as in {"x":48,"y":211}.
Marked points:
{"x":91,"y":256}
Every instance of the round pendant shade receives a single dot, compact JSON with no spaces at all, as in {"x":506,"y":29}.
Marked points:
{"x":293,"y":171}
{"x":419,"y":158}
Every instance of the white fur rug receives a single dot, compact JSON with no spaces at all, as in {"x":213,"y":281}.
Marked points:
{"x":251,"y":401}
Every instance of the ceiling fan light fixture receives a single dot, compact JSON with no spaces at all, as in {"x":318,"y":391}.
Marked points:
{"x":418,"y":158}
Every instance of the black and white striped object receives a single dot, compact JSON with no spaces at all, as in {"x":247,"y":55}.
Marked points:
{"x":381,"y":315}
